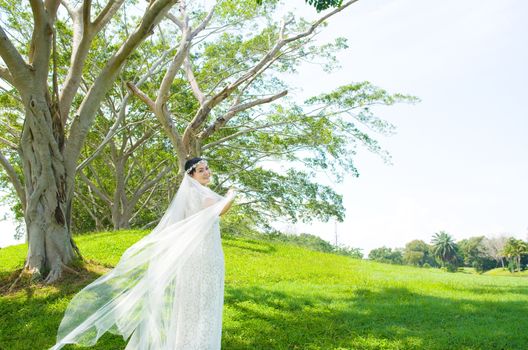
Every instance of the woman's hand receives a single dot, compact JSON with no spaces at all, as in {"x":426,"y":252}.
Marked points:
{"x":231,"y":193}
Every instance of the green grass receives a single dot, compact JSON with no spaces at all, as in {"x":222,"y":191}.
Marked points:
{"x":505,"y":272}
{"x":281,"y":296}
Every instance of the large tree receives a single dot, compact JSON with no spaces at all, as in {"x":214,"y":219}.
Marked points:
{"x":387,"y":255}
{"x":54,"y":128}
{"x":417,"y":253}
{"x":445,"y":249}
{"x":475,"y":254}
{"x":495,"y":248}
{"x":514,"y":249}
{"x":229,"y":63}
{"x":233,"y":87}
{"x":125,"y":175}
{"x":211,"y":100}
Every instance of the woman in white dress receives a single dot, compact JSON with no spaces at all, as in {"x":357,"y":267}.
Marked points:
{"x":167,"y":291}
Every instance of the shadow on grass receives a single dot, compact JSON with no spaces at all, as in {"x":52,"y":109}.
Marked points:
{"x":493,"y":289}
{"x":392,"y":318}
{"x":264,"y":318}
{"x":249,"y":244}
{"x":30,"y":316}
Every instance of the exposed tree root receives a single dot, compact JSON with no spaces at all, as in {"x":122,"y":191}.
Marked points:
{"x":74,"y":275}
{"x":76,"y":249}
{"x":70,"y":270}
{"x":21,"y":274}
{"x":54,"y":274}
{"x":13,"y":285}
{"x":8,"y":287}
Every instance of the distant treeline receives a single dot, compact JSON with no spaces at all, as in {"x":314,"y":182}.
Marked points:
{"x":481,"y":253}
{"x":305,"y":240}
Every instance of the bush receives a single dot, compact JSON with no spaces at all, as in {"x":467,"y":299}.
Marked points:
{"x":316,"y":243}
{"x":451,"y":267}
{"x":386,"y":255}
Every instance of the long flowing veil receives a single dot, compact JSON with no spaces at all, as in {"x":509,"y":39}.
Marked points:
{"x":138,"y":294}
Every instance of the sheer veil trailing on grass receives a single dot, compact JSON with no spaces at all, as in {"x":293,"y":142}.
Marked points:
{"x":166,"y":292}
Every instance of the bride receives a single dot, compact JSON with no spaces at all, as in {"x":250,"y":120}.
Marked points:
{"x":167,"y":291}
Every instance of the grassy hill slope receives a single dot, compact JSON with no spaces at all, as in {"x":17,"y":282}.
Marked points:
{"x":505,"y":272}
{"x":281,"y":296}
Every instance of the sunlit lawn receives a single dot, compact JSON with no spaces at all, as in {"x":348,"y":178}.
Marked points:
{"x":280,"y":296}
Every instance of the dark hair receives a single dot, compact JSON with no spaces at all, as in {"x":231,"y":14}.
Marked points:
{"x":190,"y":163}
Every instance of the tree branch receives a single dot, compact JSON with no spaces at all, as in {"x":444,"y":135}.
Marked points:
{"x":15,"y":180}
{"x":145,"y":202}
{"x":149,"y":184}
{"x":6,"y":75}
{"x":319,"y":21}
{"x":86,"y":13}
{"x":182,"y":55}
{"x":52,"y":7}
{"x":256,"y":70}
{"x":14,"y":132}
{"x":241,"y":132}
{"x":84,"y":32}
{"x":221,"y":121}
{"x":95,"y":189}
{"x":84,"y":200}
{"x":109,"y":135}
{"x":205,"y":22}
{"x":198,"y":94}
{"x":8,"y":143}
{"x":175,"y":20}
{"x":16,"y":66}
{"x":86,"y":114}
{"x":122,"y":111}
{"x":106,"y":14}
{"x":141,"y":95}
{"x":139,"y":142}
{"x":40,"y":47}
{"x":280,"y":43}
{"x":69,"y":8}
{"x":177,"y":61}
{"x":164,"y":117}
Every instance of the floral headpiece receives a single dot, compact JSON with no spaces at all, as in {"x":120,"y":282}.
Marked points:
{"x":189,"y":171}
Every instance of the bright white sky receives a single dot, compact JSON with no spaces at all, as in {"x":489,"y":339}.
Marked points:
{"x":460,"y":161}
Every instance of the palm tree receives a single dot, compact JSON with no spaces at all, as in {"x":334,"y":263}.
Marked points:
{"x":514,"y":249}
{"x":444,"y":247}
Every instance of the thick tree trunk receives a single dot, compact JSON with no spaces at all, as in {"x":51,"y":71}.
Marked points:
{"x":121,"y":219}
{"x":49,"y":170}
{"x":47,"y":208}
{"x":120,"y":214}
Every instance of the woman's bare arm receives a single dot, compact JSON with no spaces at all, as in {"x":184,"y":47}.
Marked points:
{"x":227,"y":206}
{"x":230,"y":193}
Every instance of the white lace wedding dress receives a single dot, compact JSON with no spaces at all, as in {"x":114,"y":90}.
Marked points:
{"x":167,"y":291}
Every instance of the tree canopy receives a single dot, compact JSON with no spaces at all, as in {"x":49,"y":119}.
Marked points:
{"x":445,"y":249}
{"x":319,"y":5}
{"x":103,"y":105}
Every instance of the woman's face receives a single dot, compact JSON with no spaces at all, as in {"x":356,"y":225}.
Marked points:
{"x":202,"y":174}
